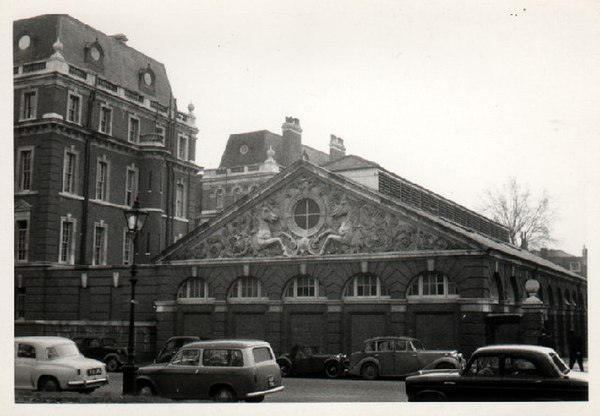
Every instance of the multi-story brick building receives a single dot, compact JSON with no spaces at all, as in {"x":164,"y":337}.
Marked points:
{"x":577,"y":264}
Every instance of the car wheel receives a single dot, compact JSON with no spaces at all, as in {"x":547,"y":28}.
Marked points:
{"x":49,"y":384}
{"x":444,"y":365}
{"x":332,"y":369}
{"x":223,"y":394}
{"x":87,"y":391}
{"x":285,"y":368}
{"x":369,"y":371}
{"x":112,"y":364}
{"x":145,"y":390}
{"x":256,"y":399}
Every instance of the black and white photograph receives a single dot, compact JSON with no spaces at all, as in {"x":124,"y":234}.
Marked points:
{"x":273,"y":207}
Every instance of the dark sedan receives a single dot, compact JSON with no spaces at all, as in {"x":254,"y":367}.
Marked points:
{"x":502,"y":373}
{"x":306,"y":360}
{"x":103,"y":349}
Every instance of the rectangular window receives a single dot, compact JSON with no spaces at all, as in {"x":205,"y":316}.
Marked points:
{"x":102,"y":180}
{"x":365,"y":286}
{"x":21,"y":240}
{"x":305,"y":286}
{"x":182,"y":147}
{"x":74,"y":109}
{"x":99,"y":245}
{"x":127,"y":247}
{"x":160,"y":131}
{"x":134,"y":130}
{"x":66,"y":249}
{"x":575,"y":266}
{"x":105,"y":120}
{"x":20,"y":304}
{"x":180,"y":201}
{"x":130,"y":186}
{"x":29,"y":105}
{"x":70,"y":163}
{"x":25,"y":169}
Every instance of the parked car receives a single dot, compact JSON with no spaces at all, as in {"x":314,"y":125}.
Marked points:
{"x":103,"y":349}
{"x":399,"y":356}
{"x":221,"y":370}
{"x":303,"y":360}
{"x":53,"y":364}
{"x":503,"y":373}
{"x":173,"y":345}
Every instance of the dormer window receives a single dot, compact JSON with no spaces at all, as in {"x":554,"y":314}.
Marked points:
{"x":94,"y":54}
{"x":147,"y":80}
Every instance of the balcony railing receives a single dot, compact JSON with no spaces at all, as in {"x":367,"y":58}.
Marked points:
{"x":152,"y":139}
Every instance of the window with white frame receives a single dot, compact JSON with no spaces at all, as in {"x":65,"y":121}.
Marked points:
{"x":432,"y":284}
{"x":74,"y":108}
{"x":105,"y":119}
{"x":127,"y":246}
{"x":99,"y":249}
{"x":219,"y":198}
{"x":180,"y":199}
{"x":24,"y":168}
{"x":29,"y":105}
{"x":160,"y":131}
{"x":304,"y":287}
{"x":21,"y":240}
{"x":133,"y":133}
{"x":70,"y":171}
{"x":365,"y":285}
{"x":182,"y":147}
{"x":247,"y":287}
{"x":66,"y":248}
{"x":102,"y":178}
{"x":131,"y":185}
{"x":193,"y":288}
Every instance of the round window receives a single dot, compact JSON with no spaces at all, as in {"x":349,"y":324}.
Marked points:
{"x":244,"y":149}
{"x":24,"y":42}
{"x":95,"y":53}
{"x":148,"y":78}
{"x":306,"y":213}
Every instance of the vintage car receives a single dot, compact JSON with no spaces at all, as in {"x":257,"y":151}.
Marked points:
{"x":53,"y":364}
{"x":503,"y":373}
{"x":305,"y":360}
{"x":398,"y":356}
{"x":103,"y":349}
{"x":172,"y":346}
{"x":220,"y":370}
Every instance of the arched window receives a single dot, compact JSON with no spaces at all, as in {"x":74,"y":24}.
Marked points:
{"x":498,"y":289}
{"x":568,"y":302}
{"x":253,"y":188}
{"x":432,"y":284}
{"x":237,"y":193}
{"x":304,"y":287}
{"x":219,"y":198}
{"x":193,"y":288}
{"x":559,"y":298}
{"x":365,"y":285}
{"x":247,"y":288}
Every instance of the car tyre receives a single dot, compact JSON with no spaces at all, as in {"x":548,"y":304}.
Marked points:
{"x":145,"y":390}
{"x":223,"y":394}
{"x":285,"y":367}
{"x":369,"y":371}
{"x":332,"y":369}
{"x":430,"y":396}
{"x":112,"y":364}
{"x":49,"y":384}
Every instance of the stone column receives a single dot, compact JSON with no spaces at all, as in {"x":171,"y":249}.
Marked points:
{"x":534,"y":313}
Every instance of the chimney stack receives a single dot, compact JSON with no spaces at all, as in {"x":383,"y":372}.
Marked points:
{"x":291,"y":141}
{"x":336,"y":148}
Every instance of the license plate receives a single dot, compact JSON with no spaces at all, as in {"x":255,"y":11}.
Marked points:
{"x":94,"y":371}
{"x":271,"y":381}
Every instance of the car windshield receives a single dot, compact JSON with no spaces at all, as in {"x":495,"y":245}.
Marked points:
{"x":562,"y":367}
{"x":61,"y":351}
{"x":109,"y":342}
{"x":418,"y":346}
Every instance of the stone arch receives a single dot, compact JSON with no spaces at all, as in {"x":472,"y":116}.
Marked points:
{"x":193,"y":288}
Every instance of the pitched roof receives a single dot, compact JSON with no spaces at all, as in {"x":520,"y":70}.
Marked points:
{"x":350,"y":162}
{"x":121,"y":63}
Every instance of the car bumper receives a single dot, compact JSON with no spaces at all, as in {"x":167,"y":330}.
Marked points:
{"x":84,"y":384}
{"x":262,"y":393}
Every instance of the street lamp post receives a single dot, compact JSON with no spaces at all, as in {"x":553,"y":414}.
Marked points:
{"x":135,"y":218}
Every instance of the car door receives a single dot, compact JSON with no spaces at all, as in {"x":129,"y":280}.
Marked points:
{"x":25,"y":360}
{"x":525,"y":379}
{"x":406,"y":359}
{"x":179,"y":379}
{"x":480,"y":381}
{"x":385,"y":355}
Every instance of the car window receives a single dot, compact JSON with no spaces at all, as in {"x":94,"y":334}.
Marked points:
{"x":370,"y":346}
{"x":562,"y":367}
{"x":384,"y":346}
{"x":94,"y":343}
{"x":222,"y":358}
{"x":484,"y":366}
{"x":26,"y":351}
{"x":261,"y":354}
{"x":400,"y":345}
{"x":187,"y":357}
{"x":109,"y":342}
{"x":170,"y":345}
{"x":520,"y":367}
{"x":417,"y":345}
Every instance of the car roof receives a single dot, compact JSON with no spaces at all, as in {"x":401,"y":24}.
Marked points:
{"x":228,"y":343}
{"x":185,"y":337}
{"x":514,"y":348}
{"x":391,"y":337}
{"x":43,"y":340}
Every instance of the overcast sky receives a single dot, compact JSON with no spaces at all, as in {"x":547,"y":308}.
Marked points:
{"x":456,"y":96}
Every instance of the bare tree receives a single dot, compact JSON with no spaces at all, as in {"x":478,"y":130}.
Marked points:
{"x":528,"y":220}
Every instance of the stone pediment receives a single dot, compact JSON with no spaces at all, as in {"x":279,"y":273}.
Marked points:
{"x":307,"y":214}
